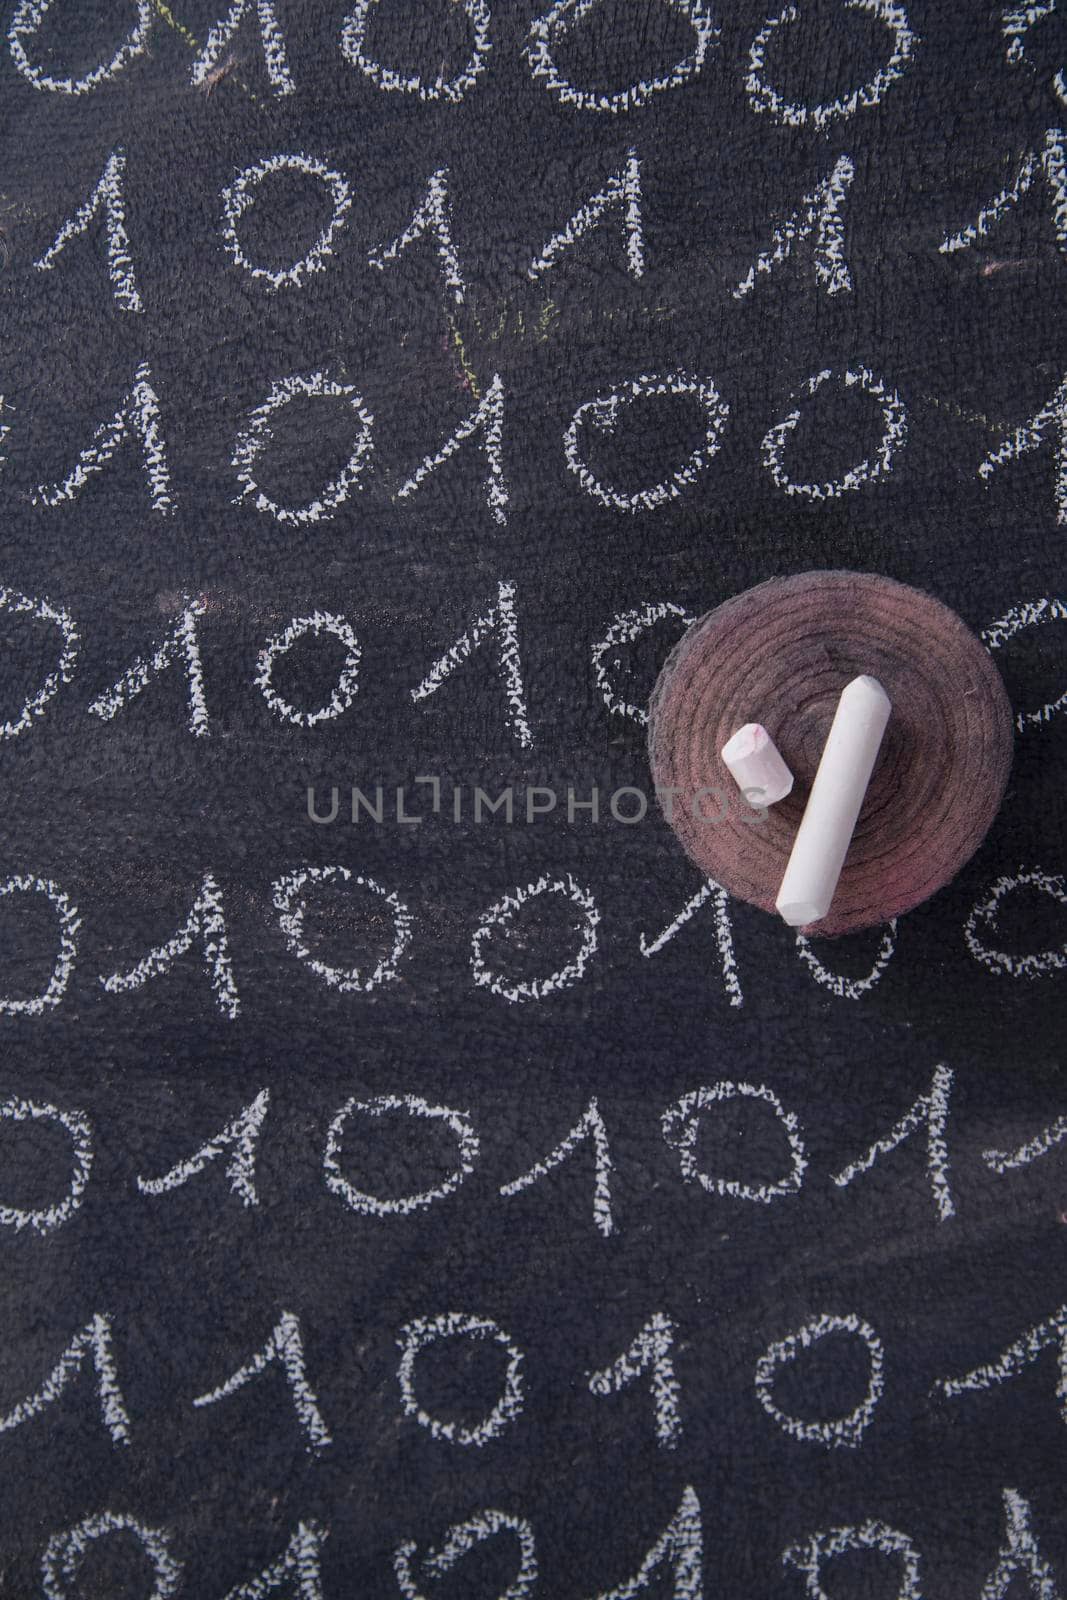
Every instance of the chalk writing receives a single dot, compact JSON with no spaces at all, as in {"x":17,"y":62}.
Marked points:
{"x":602,"y":414}
{"x":454,"y":89}
{"x":344,"y":691}
{"x":763,"y":96}
{"x":257,"y":436}
{"x":589,"y":1126}
{"x":274,"y":53}
{"x":930,"y":1111}
{"x":1010,"y":1160}
{"x":548,"y":31}
{"x":1020,"y":1556}
{"x":284,"y":1348}
{"x":1048,"y":1335}
{"x":841,"y":1431}
{"x":371,"y":1205}
{"x":107,"y":195}
{"x":501,"y":622}
{"x":298,"y":1570}
{"x":180,"y":644}
{"x":499,"y":919}
{"x":43,"y":1219}
{"x":461,"y":1538}
{"x":983,"y":920}
{"x":433,"y":215}
{"x":1030,"y":614}
{"x":238,"y":196}
{"x":622,"y":192}
{"x":138,"y":414}
{"x":205,"y":924}
{"x":41,"y":611}
{"x":1052,"y":165}
{"x":292,"y":908}
{"x":723,"y":932}
{"x":681,"y":1125}
{"x":1016,"y":23}
{"x":69,"y":923}
{"x":240,"y":1137}
{"x":866,"y":471}
{"x":486,"y":420}
{"x":678,"y":1550}
{"x":650,"y":1352}
{"x":1049,"y":425}
{"x":810,"y":1556}
{"x":849,"y":988}
{"x":28,"y":19}
{"x":415,"y":1336}
{"x":64,"y":1552}
{"x":93,"y":1342}
{"x":818,"y":216}
{"x":627,"y":626}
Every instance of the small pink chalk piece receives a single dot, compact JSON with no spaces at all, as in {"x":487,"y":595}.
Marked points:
{"x":756,"y":765}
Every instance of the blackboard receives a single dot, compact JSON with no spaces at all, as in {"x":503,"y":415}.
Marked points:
{"x":425,"y":1202}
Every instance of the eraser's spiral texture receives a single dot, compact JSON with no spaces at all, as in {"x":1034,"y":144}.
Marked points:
{"x":780,"y":654}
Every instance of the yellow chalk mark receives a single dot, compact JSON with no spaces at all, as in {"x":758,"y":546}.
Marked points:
{"x":464,"y":361}
{"x":164,"y":12}
{"x":498,"y":330}
{"x":977,"y":417}
{"x":548,"y":311}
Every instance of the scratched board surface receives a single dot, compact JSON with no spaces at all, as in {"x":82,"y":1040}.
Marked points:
{"x":438,"y":1203}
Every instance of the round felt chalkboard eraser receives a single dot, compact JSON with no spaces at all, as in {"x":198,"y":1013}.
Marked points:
{"x":780,"y":655}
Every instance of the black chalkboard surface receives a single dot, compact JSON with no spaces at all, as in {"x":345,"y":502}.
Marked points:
{"x":413,"y":1198}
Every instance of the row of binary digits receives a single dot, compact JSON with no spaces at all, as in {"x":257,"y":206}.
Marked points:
{"x":680,"y":1127}
{"x":495,"y":630}
{"x":547,"y":34}
{"x":818,"y":218}
{"x":500,"y":944}
{"x":677,"y":1554}
{"x":138,"y":421}
{"x":649,"y":1357}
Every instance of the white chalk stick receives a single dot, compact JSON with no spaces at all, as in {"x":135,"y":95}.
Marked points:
{"x":834,"y":804}
{"x":756,"y":765}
